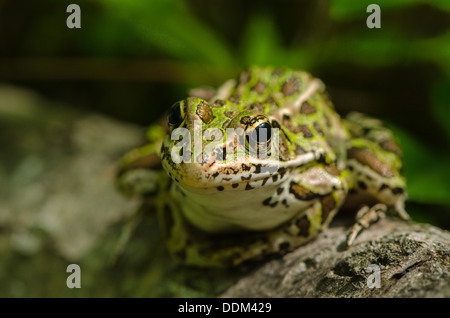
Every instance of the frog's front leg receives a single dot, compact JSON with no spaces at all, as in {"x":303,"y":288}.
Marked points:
{"x":140,"y":169}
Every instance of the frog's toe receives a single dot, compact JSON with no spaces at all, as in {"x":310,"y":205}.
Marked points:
{"x":365,"y":217}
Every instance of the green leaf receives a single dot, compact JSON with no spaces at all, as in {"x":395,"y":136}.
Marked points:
{"x":440,"y":105}
{"x":169,"y":26}
{"x":427,"y":170}
{"x":261,"y":42}
{"x":436,"y":50}
{"x":344,"y":9}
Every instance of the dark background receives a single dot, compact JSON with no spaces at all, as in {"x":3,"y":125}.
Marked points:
{"x":131,"y":60}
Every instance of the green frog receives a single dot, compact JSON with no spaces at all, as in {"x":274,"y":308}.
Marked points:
{"x":260,"y":166}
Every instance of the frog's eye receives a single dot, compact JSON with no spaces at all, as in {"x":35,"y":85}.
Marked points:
{"x":259,"y":135}
{"x":263,"y":132}
{"x":176,"y":115}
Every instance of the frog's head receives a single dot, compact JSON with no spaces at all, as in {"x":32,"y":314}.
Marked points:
{"x":219,"y":144}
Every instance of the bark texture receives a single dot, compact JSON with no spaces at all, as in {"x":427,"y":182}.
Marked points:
{"x":413,"y":261}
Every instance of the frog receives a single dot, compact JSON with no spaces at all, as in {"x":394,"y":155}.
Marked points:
{"x":260,"y":166}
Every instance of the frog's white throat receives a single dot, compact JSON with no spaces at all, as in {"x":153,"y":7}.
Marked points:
{"x":236,"y":205}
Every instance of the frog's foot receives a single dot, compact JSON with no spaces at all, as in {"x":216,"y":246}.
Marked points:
{"x":365,"y":217}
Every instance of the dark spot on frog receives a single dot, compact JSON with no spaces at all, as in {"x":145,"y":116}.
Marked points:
{"x":215,"y":174}
{"x":230,"y":114}
{"x":235,"y":98}
{"x":307,"y":133}
{"x":259,"y":87}
{"x":264,"y":181}
{"x":267,"y":201}
{"x":235,"y":185}
{"x":248,"y":186}
{"x":220,"y":188}
{"x":283,"y":146}
{"x":280,"y":190}
{"x":271,"y":100}
{"x":290,"y":87}
{"x":368,"y":158}
{"x":332,"y":170}
{"x":328,"y":205}
{"x":204,"y":112}
{"x":307,"y":109}
{"x":383,"y":186}
{"x":284,"y":246}
{"x":278,"y":72}
{"x":397,"y":190}
{"x":244,"y":120}
{"x":391,"y":146}
{"x":287,"y":122}
{"x":284,"y":202}
{"x":218,"y":103}
{"x":281,"y":172}
{"x":257,"y":168}
{"x":362,"y":185}
{"x":275,"y":178}
{"x":303,"y":225}
{"x":318,"y":129}
{"x":257,"y":106}
{"x":301,"y":193}
{"x":245,"y":167}
{"x":249,"y":177}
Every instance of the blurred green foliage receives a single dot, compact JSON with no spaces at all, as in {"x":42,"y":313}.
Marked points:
{"x":400,"y":73}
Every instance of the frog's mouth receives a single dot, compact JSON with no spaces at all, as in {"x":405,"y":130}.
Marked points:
{"x":252,"y":172}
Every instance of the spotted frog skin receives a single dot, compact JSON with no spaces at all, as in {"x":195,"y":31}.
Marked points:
{"x":220,"y":209}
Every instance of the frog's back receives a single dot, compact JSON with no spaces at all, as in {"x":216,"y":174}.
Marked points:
{"x":297,"y":104}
